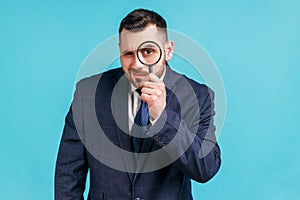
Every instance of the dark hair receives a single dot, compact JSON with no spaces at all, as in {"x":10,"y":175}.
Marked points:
{"x":138,"y":19}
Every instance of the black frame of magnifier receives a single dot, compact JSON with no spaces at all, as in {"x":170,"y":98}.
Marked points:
{"x":150,"y":66}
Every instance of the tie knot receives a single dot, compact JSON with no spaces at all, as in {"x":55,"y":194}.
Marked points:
{"x":139,"y":91}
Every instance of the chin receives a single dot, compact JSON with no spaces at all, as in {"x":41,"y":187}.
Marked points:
{"x":138,"y":84}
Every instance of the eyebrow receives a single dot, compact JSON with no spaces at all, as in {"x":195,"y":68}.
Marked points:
{"x":149,"y":46}
{"x":126,"y":52}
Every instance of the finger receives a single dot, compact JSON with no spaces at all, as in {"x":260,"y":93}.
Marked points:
{"x":151,"y":91}
{"x":150,"y":99}
{"x":145,"y":97}
{"x":156,"y":89}
{"x":150,"y":84}
{"x":154,"y":78}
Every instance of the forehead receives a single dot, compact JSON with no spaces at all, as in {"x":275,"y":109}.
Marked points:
{"x":131,"y":40}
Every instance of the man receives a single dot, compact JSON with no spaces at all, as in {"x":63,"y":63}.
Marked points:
{"x":105,"y":133}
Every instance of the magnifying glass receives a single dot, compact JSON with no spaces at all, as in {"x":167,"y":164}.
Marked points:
{"x":149,"y":53}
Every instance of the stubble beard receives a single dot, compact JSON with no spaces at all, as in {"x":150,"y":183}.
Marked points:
{"x":137,"y":82}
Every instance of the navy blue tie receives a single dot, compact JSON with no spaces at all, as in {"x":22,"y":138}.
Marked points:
{"x":141,"y":121}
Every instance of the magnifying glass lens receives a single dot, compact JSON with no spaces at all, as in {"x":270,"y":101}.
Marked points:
{"x":149,"y":53}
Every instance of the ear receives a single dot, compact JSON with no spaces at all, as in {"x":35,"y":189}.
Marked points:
{"x":169,"y":50}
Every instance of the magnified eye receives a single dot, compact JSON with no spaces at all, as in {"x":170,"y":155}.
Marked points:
{"x":148,"y":51}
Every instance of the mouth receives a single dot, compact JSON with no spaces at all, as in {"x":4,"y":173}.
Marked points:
{"x":138,"y":75}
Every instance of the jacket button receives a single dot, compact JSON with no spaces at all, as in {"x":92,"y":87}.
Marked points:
{"x":156,"y":137}
{"x":162,"y":144}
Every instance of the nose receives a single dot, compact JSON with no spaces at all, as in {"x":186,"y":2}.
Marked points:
{"x":136,"y":64}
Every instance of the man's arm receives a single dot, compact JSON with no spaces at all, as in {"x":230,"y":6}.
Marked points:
{"x":195,"y":133}
{"x":202,"y":159}
{"x":71,"y":165}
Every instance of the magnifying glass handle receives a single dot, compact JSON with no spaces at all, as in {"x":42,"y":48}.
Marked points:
{"x":150,"y":69}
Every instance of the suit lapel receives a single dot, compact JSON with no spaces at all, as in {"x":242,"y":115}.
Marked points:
{"x":119,"y":102}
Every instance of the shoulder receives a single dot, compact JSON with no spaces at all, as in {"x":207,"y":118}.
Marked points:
{"x":181,"y":82}
{"x":110,"y":75}
{"x":91,"y":83}
{"x":199,"y":88}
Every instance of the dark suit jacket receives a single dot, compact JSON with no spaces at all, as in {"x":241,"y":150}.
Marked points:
{"x":186,"y":128}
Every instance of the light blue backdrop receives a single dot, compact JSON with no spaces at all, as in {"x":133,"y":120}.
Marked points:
{"x":255,"y":45}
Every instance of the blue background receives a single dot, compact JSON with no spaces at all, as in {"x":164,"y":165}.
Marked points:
{"x":255,"y":45}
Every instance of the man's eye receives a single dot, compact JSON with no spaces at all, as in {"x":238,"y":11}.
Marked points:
{"x":148,"y":51}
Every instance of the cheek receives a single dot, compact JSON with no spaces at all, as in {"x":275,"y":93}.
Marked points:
{"x":125,"y":64}
{"x":158,"y":68}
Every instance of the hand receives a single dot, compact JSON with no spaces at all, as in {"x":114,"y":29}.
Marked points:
{"x":154,"y":94}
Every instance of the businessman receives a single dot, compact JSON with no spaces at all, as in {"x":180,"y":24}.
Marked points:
{"x":143,"y":131}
